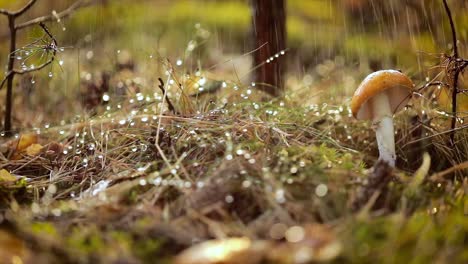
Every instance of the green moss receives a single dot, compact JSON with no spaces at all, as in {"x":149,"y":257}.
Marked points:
{"x":44,"y":229}
{"x":148,"y":249}
{"x":86,"y":240}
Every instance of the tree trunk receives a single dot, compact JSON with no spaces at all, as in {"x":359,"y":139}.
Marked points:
{"x":269,"y":30}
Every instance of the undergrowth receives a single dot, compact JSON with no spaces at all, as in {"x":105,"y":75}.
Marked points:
{"x":138,"y":182}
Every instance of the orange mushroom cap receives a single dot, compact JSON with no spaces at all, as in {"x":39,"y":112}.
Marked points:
{"x":396,"y":84}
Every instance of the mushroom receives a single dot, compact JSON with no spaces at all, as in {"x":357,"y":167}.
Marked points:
{"x":378,"y":97}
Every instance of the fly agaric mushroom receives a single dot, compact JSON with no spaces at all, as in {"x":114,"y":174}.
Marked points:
{"x":378,"y":97}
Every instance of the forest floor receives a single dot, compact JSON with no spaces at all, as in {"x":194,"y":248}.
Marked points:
{"x":267,"y":180}
{"x":293,"y":182}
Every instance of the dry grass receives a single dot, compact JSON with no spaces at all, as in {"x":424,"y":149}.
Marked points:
{"x":141,"y":182}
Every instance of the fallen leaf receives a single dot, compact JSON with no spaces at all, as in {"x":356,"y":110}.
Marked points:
{"x":18,"y":146}
{"x":34,"y":149}
{"x":25,"y":141}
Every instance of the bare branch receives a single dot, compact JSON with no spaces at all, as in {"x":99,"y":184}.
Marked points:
{"x":53,"y":47}
{"x":65,"y":13}
{"x":452,"y":26}
{"x":455,"y":75}
{"x":19,"y":12}
{"x":169,"y":103}
{"x":24,"y":8}
{"x":5,"y":12}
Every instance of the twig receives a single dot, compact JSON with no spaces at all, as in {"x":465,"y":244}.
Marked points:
{"x":19,"y":12}
{"x":53,"y":47}
{"x":435,"y":135}
{"x":439,"y":175}
{"x":455,"y":76}
{"x":169,"y":103}
{"x":65,"y":13}
{"x":13,"y":28}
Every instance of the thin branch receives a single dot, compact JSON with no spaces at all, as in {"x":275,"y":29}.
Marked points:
{"x":24,"y":8}
{"x":169,"y":103}
{"x":5,"y":12}
{"x":65,"y":13}
{"x":440,"y":175}
{"x":456,"y":74}
{"x":53,"y":47}
{"x":452,"y":26}
{"x":435,"y":135}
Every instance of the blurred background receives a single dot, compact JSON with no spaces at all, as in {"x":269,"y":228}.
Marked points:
{"x":120,"y":47}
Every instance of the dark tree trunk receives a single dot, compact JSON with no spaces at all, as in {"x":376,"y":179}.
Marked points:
{"x":269,"y":30}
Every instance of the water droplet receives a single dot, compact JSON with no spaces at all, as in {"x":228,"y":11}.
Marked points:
{"x":293,"y":169}
{"x":229,"y":198}
{"x":105,"y":97}
{"x":321,"y":190}
{"x":51,"y":74}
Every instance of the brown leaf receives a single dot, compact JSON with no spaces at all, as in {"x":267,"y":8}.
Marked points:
{"x":33,"y":150}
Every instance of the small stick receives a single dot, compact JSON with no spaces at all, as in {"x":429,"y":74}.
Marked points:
{"x":170,"y":105}
{"x":456,"y":74}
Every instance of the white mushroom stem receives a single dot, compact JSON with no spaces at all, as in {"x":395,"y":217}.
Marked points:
{"x":383,"y":125}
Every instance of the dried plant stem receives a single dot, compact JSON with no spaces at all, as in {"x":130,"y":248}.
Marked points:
{"x":456,"y":74}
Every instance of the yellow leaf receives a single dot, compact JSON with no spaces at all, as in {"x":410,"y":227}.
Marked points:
{"x":5,"y":176}
{"x":34,"y":149}
{"x":25,"y":141}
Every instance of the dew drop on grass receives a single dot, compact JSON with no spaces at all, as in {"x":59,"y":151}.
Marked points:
{"x":321,"y":190}
{"x":105,"y":97}
{"x":246,"y":184}
{"x":187,"y":185}
{"x":293,"y":169}
{"x":229,"y":198}
{"x":200,"y":184}
{"x":51,"y":74}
